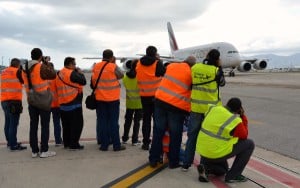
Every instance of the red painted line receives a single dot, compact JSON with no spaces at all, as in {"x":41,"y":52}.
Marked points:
{"x":275,"y":173}
{"x":218,"y":182}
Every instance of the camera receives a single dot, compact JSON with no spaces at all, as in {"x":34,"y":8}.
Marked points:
{"x":46,"y":59}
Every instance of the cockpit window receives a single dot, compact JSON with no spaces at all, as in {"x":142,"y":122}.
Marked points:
{"x":232,"y":52}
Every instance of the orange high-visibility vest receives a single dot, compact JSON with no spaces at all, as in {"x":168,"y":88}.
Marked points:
{"x":166,"y":142}
{"x":108,"y":88}
{"x":53,"y":89}
{"x":38,"y":83}
{"x":11,"y":88}
{"x":147,"y":81}
{"x":175,"y":86}
{"x":67,"y":90}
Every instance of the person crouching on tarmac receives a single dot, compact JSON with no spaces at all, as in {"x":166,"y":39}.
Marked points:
{"x":224,"y":134}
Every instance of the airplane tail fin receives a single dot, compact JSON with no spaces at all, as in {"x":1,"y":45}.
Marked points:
{"x":172,"y":40}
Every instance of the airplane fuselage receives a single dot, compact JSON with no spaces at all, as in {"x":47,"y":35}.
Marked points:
{"x":230,"y":57}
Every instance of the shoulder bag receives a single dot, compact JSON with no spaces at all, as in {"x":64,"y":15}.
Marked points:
{"x":41,"y":100}
{"x":90,"y":101}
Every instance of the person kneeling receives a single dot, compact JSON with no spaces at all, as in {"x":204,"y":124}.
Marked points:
{"x":224,"y":134}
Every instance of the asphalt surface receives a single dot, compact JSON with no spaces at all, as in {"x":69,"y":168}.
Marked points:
{"x":271,"y":102}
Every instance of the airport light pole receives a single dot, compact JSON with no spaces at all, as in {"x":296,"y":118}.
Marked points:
{"x":2,"y":60}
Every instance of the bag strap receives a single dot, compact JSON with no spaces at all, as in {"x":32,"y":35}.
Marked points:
{"x":28,"y":76}
{"x":94,"y":88}
{"x":64,"y":81}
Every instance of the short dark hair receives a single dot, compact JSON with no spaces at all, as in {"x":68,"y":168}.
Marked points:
{"x":212,"y":57}
{"x":69,"y":60}
{"x":151,"y":51}
{"x":107,"y":54}
{"x":234,"y":104}
{"x":15,"y":62}
{"x":36,"y":53}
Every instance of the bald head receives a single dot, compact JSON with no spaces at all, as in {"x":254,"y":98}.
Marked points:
{"x":190,"y":60}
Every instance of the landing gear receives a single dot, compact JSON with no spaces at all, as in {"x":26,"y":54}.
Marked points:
{"x":231,"y":73}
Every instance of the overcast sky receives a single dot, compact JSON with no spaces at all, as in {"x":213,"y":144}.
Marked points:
{"x":81,"y":28}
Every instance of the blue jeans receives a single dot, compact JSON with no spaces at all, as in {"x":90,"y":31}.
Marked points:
{"x":193,"y":130}
{"x":35,"y":114}
{"x":10,"y":125}
{"x":57,"y":126}
{"x":174,"y":121}
{"x":108,"y":123}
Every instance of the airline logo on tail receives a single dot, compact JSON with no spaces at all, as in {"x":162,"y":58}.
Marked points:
{"x":172,"y":40}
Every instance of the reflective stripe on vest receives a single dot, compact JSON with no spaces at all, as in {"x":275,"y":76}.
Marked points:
{"x":38,"y":84}
{"x":204,"y":89}
{"x":108,"y":88}
{"x":174,"y":88}
{"x":166,"y":141}
{"x":65,"y":92}
{"x":11,"y":88}
{"x":214,"y":139}
{"x":147,"y":81}
{"x":133,"y":99}
{"x":53,"y":89}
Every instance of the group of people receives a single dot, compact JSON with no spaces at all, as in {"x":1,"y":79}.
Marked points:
{"x":163,"y":93}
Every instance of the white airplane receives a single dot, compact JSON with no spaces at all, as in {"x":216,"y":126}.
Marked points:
{"x":230,"y":57}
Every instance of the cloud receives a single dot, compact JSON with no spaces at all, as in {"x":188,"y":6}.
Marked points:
{"x":85,"y":28}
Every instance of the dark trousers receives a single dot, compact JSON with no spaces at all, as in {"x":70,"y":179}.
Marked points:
{"x":194,"y":127}
{"x":72,"y":123}
{"x":108,"y":122}
{"x":35,"y":114}
{"x":174,"y":121}
{"x":11,"y":123}
{"x":56,"y":124}
{"x":148,"y":110}
{"x":136,"y":116}
{"x":242,"y":151}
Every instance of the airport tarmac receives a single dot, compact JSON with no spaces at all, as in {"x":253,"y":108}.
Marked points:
{"x":271,"y":101}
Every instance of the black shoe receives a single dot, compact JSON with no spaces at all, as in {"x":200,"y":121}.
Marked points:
{"x":122,"y":147}
{"x":18,"y":144}
{"x":80,"y":147}
{"x":239,"y":178}
{"x":153,"y":164}
{"x":103,"y":149}
{"x":18,"y":148}
{"x":202,"y":174}
{"x":174,"y":166}
{"x":145,"y":147}
{"x":185,"y":167}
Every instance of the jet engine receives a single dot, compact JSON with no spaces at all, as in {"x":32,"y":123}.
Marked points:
{"x":260,"y":64}
{"x":244,"y":66}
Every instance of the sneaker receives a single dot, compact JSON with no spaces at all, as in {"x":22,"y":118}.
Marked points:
{"x":185,"y":167}
{"x":202,"y":174}
{"x":58,"y":145}
{"x":47,"y":154}
{"x":34,"y":155}
{"x":122,"y":147}
{"x":239,"y":178}
{"x":18,"y":148}
{"x":136,"y":143}
{"x":145,"y":147}
{"x":124,"y":142}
